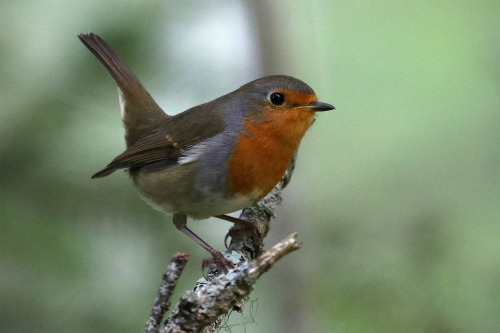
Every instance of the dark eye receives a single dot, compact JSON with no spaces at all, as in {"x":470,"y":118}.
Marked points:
{"x":277,"y":99}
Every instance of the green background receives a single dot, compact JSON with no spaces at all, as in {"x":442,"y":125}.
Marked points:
{"x":396,"y":194}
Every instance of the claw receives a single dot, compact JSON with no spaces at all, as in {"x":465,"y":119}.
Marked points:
{"x":245,"y":228}
{"x":219,"y":260}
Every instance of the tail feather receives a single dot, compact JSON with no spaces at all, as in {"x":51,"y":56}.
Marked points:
{"x":116,"y":67}
{"x":140,"y":113}
{"x":103,"y":173}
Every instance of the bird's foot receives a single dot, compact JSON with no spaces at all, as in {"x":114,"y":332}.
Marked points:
{"x":243,"y":227}
{"x":218,"y":259}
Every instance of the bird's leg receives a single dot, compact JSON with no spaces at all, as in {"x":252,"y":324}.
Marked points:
{"x":180,"y":222}
{"x":245,"y":227}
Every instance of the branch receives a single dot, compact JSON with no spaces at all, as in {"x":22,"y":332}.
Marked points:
{"x":199,"y":308}
{"x":169,"y":281}
{"x":263,"y":263}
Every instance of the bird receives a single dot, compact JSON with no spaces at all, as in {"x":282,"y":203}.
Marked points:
{"x":214,"y":158}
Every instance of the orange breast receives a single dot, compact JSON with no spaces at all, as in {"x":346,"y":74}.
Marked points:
{"x":261,"y":156}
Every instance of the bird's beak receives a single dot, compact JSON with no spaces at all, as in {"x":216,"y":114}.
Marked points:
{"x":319,"y":106}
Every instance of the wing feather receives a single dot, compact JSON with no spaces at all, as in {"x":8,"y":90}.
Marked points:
{"x":166,"y":144}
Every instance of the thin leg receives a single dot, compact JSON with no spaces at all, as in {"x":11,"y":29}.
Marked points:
{"x":180,"y":222}
{"x":231,"y":219}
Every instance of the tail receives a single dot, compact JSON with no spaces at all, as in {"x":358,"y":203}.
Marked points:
{"x":139,"y":111}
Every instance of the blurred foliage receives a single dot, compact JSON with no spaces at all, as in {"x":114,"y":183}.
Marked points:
{"x":396,"y":194}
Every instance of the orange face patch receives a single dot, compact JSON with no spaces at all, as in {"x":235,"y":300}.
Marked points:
{"x":262,"y":154}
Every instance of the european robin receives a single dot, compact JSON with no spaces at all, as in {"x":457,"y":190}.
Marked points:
{"x":214,"y":158}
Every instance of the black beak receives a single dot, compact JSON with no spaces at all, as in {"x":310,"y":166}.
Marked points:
{"x":318,"y":106}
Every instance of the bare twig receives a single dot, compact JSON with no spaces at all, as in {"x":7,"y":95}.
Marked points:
{"x":263,"y":263}
{"x":162,"y":302}
{"x":199,"y":308}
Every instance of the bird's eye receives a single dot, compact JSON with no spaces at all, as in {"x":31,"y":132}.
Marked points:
{"x":277,"y":99}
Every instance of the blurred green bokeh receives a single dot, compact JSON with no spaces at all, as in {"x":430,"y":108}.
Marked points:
{"x":396,"y":194}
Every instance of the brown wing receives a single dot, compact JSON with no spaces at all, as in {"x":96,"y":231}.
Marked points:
{"x":163,"y":147}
